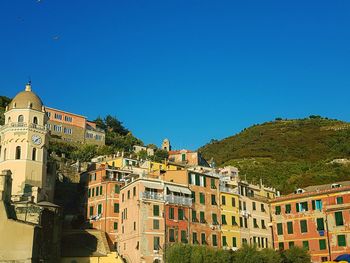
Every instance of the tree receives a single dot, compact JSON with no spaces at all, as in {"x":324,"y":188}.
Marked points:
{"x":178,"y":253}
{"x":296,"y":255}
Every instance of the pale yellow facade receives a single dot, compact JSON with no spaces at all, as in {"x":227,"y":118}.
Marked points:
{"x":112,"y":257}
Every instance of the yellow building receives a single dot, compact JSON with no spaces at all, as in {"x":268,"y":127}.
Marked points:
{"x":230,"y":231}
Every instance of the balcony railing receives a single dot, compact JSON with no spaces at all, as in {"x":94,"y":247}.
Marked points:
{"x":228,"y":190}
{"x":152,"y":196}
{"x":24,"y":125}
{"x":179,"y":200}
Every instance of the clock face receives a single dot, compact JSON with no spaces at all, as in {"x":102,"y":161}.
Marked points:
{"x":36,"y":139}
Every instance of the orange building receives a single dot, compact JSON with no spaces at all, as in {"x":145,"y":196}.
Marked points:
{"x":187,"y":157}
{"x":316,"y":218}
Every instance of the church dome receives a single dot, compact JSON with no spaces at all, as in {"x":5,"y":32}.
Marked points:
{"x":26,"y":99}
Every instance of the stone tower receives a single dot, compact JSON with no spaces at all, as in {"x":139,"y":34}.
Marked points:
{"x":166,"y":145}
{"x":23,"y":146}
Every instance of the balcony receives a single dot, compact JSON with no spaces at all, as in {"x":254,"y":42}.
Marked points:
{"x":178,"y":200}
{"x":151,"y":196}
{"x":228,"y":190}
{"x":24,"y":125}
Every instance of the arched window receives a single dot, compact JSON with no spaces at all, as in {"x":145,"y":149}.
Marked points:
{"x":8,"y":120}
{"x":34,"y":154}
{"x":35,"y":120}
{"x":18,"y":152}
{"x":20,"y":118}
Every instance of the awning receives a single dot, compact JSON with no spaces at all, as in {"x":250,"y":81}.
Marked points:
{"x":179,"y":189}
{"x":185,"y":191}
{"x":153,"y":185}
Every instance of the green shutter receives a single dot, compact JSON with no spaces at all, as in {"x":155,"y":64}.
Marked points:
{"x":183,"y":236}
{"x":339,"y":200}
{"x":313,"y":202}
{"x":91,"y":211}
{"x":320,"y":224}
{"x":193,"y":195}
{"x":197,"y":180}
{"x":155,"y":210}
{"x":215,"y":240}
{"x":339,"y":218}
{"x":99,"y":209}
{"x":117,"y":189}
{"x":303,"y":226}
{"x":279,"y":229}
{"x":306,"y":245}
{"x":202,"y":198}
{"x":155,"y":224}
{"x":341,"y":240}
{"x":194,"y":238}
{"x":205,"y":181}
{"x":202,"y":217}
{"x":278,"y":210}
{"x":116,"y":208}
{"x":224,"y":242}
{"x":297,"y":207}
{"x":223,"y":200}
{"x":171,"y":213}
{"x":281,"y":245}
{"x":290,"y":227}
{"x":234,"y":242}
{"x":288,"y":208}
{"x":204,"y":242}
{"x":322,"y":243}
{"x":214,"y":218}
{"x":181,"y":214}
{"x":291,"y":244}
{"x":194,"y":216}
{"x":189,"y":178}
{"x":223,"y":219}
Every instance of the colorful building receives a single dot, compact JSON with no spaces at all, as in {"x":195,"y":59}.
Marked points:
{"x":190,"y":158}
{"x":316,"y":218}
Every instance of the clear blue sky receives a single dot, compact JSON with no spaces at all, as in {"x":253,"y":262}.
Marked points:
{"x":187,"y":70}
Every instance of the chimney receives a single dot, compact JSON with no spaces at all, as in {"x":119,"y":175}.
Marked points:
{"x":5,"y":186}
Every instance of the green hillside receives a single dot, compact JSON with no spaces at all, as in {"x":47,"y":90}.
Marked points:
{"x":287,"y":153}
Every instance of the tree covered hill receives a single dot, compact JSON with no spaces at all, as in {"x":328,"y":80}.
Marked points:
{"x":287,"y":153}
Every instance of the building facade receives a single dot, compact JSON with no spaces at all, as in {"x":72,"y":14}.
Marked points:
{"x":316,"y":218}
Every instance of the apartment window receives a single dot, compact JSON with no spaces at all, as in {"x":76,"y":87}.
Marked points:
{"x":134,"y":226}
{"x":291,"y":244}
{"x":117,"y":189}
{"x":290,"y":227}
{"x":194,"y":238}
{"x":223,"y":220}
{"x":171,"y":213}
{"x":288,"y":208}
{"x":57,"y":128}
{"x":339,"y":218}
{"x":202,"y":217}
{"x":316,"y":205}
{"x":194,"y":216}
{"x":128,"y":194}
{"x":322,"y":243}
{"x":155,"y":210}
{"x":215,"y":240}
{"x":262,"y":208}
{"x":116,"y":208}
{"x":223,"y":200}
{"x":101,"y":190}
{"x":240,"y":205}
{"x":183,"y":236}
{"x":18,"y":152}
{"x":93,"y":192}
{"x":134,"y":191}
{"x":302,"y":207}
{"x":241,"y":222}
{"x":341,"y":240}
{"x":278,"y":210}
{"x":99,"y":209}
{"x":255,"y":223}
{"x":155,"y":224}
{"x":204,"y":242}
{"x":67,"y":130}
{"x":263,"y":226}
{"x":320,"y":224}
{"x":34,"y":154}
{"x":244,"y":205}
{"x":306,"y":244}
{"x":202,"y":198}
{"x":58,"y":116}
{"x":97,"y":191}
{"x":68,"y":118}
{"x":48,"y":114}
{"x":339,"y":200}
{"x":197,"y":179}
{"x":115,"y":225}
{"x":212,"y":183}
{"x":279,"y":229}
{"x":246,"y":222}
{"x":254,"y":206}
{"x":215,"y":219}
{"x":181,"y":214}
{"x":202,"y":181}
{"x":234,"y":242}
{"x":156,"y":243}
{"x":213,"y":200}
{"x":233,"y":219}
{"x":89,"y":192}
{"x":233,"y":202}
{"x":281,"y":246}
{"x":91,"y":211}
{"x":303,"y":226}
{"x":224,"y":241}
{"x":193,"y":196}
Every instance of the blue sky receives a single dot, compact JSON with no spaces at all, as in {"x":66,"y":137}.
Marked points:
{"x":187,"y":70}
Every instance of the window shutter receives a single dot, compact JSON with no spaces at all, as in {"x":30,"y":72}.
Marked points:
{"x":313,"y":205}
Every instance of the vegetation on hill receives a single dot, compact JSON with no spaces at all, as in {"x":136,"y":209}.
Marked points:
{"x":287,"y":153}
{"x":201,"y":254}
{"x":4,"y":101}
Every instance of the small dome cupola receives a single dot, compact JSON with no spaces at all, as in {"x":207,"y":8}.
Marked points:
{"x":26,"y":99}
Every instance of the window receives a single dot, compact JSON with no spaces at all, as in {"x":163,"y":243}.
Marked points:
{"x":115,"y":227}
{"x":320,"y":224}
{"x":215,"y":219}
{"x":101,"y":192}
{"x":278,"y":210}
{"x":306,"y":244}
{"x":34,"y":154}
{"x":233,"y":202}
{"x":116,"y":208}
{"x":290,"y":227}
{"x":67,"y":130}
{"x":302,"y":207}
{"x":263,"y":226}
{"x":58,"y":116}
{"x":288,"y":208}
{"x":341,"y":240}
{"x":233,"y":219}
{"x":57,"y":128}
{"x":194,"y":216}
{"x":241,"y":222}
{"x":215,"y":240}
{"x":202,"y":217}
{"x":193,"y":196}
{"x":18,"y":152}
{"x":48,"y":114}
{"x":279,"y":229}
{"x":134,"y":191}
{"x":245,"y":222}
{"x":155,"y":224}
{"x":197,"y":180}
{"x":171,"y":213}
{"x":155,"y":210}
{"x":20,"y":118}
{"x":223,"y":200}
{"x":89,"y":193}
{"x":204,"y":242}
{"x":93,"y":192}
{"x":202,"y":198}
{"x":339,"y":218}
{"x":240,"y":205}
{"x":134,"y":226}
{"x":35,"y":120}
{"x":116,"y":189}
{"x":262,"y":207}
{"x":234,"y":242}
{"x":91,"y":211}
{"x":255,"y":223}
{"x":202,"y":181}
{"x":128,"y":194}
{"x":68,"y":118}
{"x":254,"y":206}
{"x":244,"y":205}
{"x":303,"y":226}
{"x":291,"y":244}
{"x":281,"y":245}
{"x":316,"y":205}
{"x":322,"y":243}
{"x":223,"y":220}
{"x":224,"y":241}
{"x":156,"y":243}
{"x":212,"y":183}
{"x":99,"y":209}
{"x":183,"y":157}
{"x":183,"y":236}
{"x":194,"y":238}
{"x":181,"y":214}
{"x":213,"y":200}
{"x":339,"y":200}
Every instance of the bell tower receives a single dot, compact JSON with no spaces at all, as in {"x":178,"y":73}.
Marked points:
{"x":23,"y":146}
